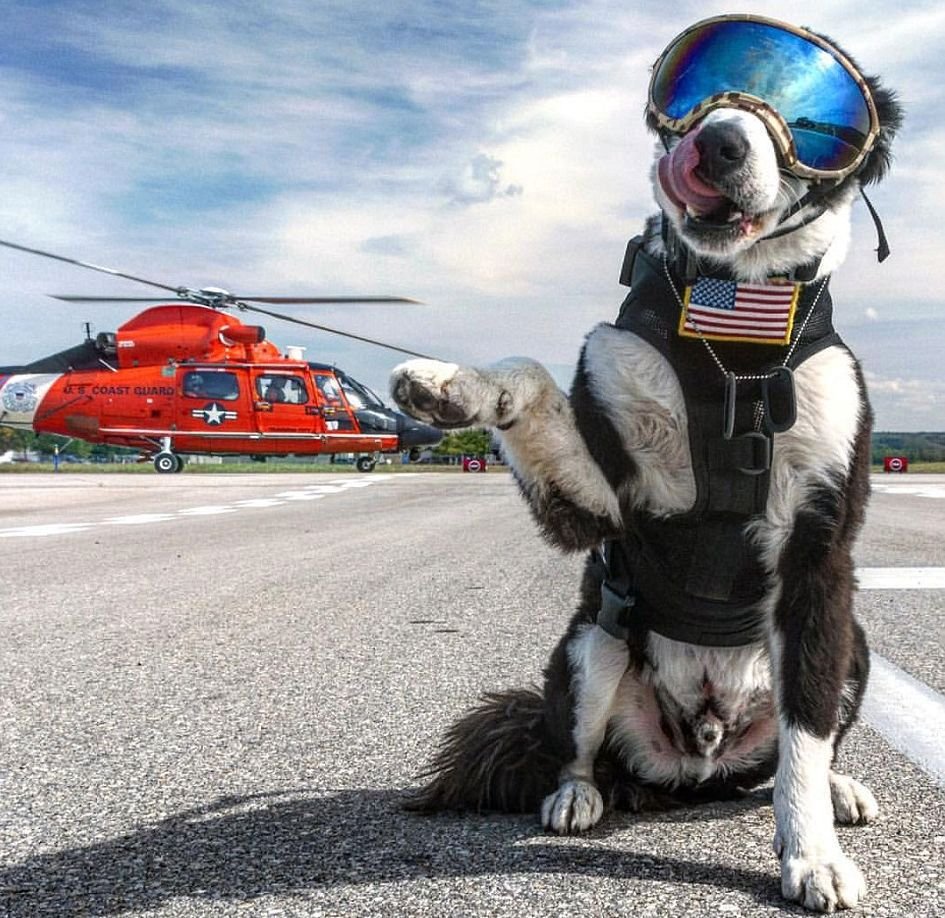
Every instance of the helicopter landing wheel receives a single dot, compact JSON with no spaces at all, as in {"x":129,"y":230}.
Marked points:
{"x":366,"y":463}
{"x":166,"y":462}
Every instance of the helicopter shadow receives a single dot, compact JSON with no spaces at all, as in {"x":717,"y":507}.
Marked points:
{"x":289,"y":842}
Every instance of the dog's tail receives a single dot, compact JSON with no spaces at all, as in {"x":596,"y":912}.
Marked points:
{"x":498,"y":756}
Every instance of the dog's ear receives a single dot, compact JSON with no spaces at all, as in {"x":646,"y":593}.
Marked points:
{"x":890,"y":115}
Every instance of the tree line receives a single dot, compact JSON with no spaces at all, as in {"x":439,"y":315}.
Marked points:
{"x":916,"y":447}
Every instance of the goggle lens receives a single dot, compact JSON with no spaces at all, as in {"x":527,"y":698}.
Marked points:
{"x":824,"y":106}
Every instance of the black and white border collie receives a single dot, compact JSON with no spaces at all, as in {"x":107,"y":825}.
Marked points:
{"x":650,"y":721}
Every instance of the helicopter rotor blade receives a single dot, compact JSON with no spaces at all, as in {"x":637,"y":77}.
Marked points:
{"x":86,"y":264}
{"x":220,"y":299}
{"x":276,"y":300}
{"x":289,"y":300}
{"x":70,"y":298}
{"x":331,"y":331}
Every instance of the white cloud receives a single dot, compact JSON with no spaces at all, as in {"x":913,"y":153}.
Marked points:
{"x":479,"y":181}
{"x":907,"y":403}
{"x":340,"y":148}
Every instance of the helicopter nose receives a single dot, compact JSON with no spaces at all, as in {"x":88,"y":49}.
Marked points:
{"x":413,"y":433}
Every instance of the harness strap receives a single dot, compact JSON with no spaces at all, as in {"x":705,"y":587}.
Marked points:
{"x":647,"y":600}
{"x":616,"y":591}
{"x":749,"y":453}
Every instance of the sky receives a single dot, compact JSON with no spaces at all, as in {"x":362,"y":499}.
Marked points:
{"x":487,"y":158}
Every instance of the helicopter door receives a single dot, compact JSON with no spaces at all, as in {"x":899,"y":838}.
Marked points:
{"x":335,"y":410}
{"x":210,"y":401}
{"x":283,"y":403}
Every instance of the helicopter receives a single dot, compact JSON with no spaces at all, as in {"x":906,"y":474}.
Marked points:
{"x":184,"y":377}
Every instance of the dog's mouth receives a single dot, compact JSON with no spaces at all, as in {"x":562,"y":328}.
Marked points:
{"x":726,"y":218}
{"x":705,"y":211}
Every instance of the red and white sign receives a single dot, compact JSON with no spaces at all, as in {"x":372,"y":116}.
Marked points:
{"x":895,"y":464}
{"x":474,"y":463}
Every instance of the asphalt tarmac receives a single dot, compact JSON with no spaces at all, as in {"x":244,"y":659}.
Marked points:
{"x":215,"y":688}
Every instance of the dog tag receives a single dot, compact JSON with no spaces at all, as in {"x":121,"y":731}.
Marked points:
{"x":777,"y":391}
{"x":728,"y":411}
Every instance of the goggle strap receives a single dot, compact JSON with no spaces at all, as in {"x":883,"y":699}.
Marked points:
{"x":882,"y":249}
{"x":684,"y":260}
{"x":800,"y":205}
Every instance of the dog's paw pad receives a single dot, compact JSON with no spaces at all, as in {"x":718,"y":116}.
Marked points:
{"x":575,"y":806}
{"x":432,"y":391}
{"x":822,"y":885}
{"x":853,"y":802}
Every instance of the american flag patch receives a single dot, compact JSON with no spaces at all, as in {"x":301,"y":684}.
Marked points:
{"x":724,"y":310}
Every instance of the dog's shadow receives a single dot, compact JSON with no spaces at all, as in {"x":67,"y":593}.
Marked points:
{"x":241,"y":848}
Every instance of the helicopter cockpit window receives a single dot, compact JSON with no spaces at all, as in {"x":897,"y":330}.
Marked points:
{"x":211,"y":384}
{"x":358,"y":395}
{"x":283,"y":389}
{"x":328,"y":387}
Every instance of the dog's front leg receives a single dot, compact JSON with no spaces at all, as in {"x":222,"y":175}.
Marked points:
{"x":451,"y":396}
{"x":811,"y":652}
{"x":597,"y":663}
{"x":567,"y":490}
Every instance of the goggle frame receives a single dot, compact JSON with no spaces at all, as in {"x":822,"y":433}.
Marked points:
{"x":773,"y":120}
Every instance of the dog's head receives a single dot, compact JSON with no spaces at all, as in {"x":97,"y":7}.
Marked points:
{"x":731,"y":174}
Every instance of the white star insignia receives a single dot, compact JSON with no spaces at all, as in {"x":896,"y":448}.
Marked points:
{"x":213,"y":414}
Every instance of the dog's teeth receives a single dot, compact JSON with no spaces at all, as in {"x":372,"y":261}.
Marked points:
{"x":735,"y":217}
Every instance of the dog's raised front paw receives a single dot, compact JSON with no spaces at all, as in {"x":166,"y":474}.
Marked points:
{"x":822,"y":885}
{"x":853,"y":802}
{"x":574,"y":807}
{"x":447,"y":395}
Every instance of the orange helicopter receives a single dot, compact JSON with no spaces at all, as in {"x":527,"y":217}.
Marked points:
{"x":186,"y":378}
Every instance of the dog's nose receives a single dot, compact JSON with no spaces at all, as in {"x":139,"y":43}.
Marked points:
{"x":722,"y":148}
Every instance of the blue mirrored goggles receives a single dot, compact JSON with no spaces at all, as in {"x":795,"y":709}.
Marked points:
{"x":818,"y":108}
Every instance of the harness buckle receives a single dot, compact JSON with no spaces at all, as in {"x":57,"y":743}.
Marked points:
{"x":614,"y":613}
{"x":749,"y":453}
{"x":760,"y":448}
{"x":626,"y":269}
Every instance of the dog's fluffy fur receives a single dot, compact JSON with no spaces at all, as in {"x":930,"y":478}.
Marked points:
{"x":653,"y":722}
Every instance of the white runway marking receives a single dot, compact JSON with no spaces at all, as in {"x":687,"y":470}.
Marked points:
{"x":935,"y":491}
{"x":308,"y":492}
{"x":901,"y":578}
{"x":139,"y":519}
{"x":909,"y":714}
{"x":300,"y":495}
{"x":45,"y":530}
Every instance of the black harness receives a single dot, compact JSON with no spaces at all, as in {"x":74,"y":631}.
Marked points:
{"x":696,"y":576}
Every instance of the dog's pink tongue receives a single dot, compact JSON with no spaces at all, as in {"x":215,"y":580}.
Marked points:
{"x":677,"y":176}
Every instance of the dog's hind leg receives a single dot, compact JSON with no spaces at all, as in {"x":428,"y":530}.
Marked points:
{"x":597,"y":663}
{"x":853,"y":803}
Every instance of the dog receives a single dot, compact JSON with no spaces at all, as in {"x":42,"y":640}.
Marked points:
{"x":717,"y":479}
